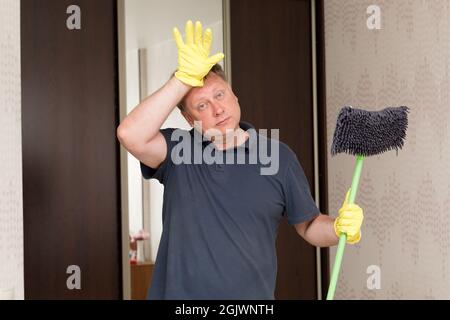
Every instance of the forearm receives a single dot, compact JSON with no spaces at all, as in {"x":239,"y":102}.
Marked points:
{"x":320,"y":232}
{"x":144,"y":122}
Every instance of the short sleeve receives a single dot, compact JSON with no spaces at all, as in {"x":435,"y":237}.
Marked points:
{"x":161,"y":172}
{"x":299,"y":204}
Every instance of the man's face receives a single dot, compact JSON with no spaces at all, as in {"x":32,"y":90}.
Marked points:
{"x":214,"y":104}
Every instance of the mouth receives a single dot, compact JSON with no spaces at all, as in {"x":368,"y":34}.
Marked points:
{"x":223,"y":122}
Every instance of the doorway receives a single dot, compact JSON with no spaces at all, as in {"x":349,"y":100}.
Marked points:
{"x":257,"y":53}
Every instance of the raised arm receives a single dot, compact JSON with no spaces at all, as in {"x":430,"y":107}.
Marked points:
{"x":139,"y":131}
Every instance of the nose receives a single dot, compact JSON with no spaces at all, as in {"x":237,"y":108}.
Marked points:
{"x":218,"y":109}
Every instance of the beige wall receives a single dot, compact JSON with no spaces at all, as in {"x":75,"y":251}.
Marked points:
{"x":11,"y":222}
{"x":406,"y":197}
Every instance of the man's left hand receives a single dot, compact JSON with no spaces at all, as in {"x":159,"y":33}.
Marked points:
{"x":349,"y":221}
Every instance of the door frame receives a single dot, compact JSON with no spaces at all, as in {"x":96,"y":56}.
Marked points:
{"x":126,"y":270}
{"x":323,"y":254}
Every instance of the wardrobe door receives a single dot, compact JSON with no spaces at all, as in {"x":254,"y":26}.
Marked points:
{"x":71,"y":184}
{"x":271,"y":64}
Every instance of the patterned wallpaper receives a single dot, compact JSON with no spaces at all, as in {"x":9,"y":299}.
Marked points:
{"x":11,"y":223}
{"x":406,"y":232}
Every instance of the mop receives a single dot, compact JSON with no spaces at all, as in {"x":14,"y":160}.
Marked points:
{"x":364,"y":133}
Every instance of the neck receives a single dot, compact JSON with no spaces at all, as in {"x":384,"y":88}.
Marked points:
{"x":230,"y":140}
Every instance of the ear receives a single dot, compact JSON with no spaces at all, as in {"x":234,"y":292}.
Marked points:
{"x":188,"y":118}
{"x":232,"y":92}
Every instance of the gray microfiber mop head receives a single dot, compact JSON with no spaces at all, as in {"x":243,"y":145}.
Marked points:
{"x":368,"y":133}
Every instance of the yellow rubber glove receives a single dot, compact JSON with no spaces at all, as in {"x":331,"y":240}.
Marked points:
{"x":349,"y":221}
{"x":194,"y":61}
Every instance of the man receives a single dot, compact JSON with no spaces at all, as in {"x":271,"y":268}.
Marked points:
{"x":220,"y":220}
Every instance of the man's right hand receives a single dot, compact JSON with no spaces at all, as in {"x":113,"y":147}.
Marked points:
{"x":194,"y":61}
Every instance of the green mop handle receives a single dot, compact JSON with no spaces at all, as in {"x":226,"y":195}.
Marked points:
{"x":343,"y":236}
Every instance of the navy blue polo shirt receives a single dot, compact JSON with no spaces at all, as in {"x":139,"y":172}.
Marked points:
{"x":220,"y":220}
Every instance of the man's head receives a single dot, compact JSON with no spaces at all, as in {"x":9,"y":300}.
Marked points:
{"x":214,"y":104}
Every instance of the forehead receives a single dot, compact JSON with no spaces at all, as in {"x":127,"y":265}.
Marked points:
{"x":212,"y":83}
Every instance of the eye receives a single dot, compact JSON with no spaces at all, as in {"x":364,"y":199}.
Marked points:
{"x":201,"y":106}
{"x":220,"y":95}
